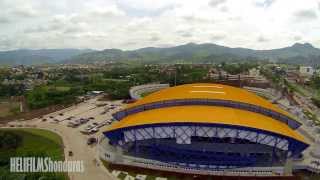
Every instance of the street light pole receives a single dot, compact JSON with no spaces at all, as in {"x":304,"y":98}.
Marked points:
{"x":175,"y":77}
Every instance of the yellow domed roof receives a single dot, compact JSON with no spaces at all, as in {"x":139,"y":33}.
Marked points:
{"x":208,"y":91}
{"x":207,"y":115}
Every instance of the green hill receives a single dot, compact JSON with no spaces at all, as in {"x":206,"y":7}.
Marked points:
{"x":200,"y":53}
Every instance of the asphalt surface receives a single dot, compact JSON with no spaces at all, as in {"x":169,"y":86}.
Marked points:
{"x":74,"y":140}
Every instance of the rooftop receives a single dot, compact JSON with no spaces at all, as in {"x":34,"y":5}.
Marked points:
{"x":208,"y":91}
{"x":206,"y":115}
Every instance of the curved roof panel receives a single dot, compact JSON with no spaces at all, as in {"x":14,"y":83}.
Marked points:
{"x":206,"y":114}
{"x":208,"y":91}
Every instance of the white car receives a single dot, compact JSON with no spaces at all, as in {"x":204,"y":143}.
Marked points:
{"x":105,"y":123}
{"x":90,"y":126}
{"x":94,"y":130}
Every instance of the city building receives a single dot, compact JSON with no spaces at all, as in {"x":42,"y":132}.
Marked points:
{"x":203,"y":128}
{"x":306,"y":70}
{"x":255,"y":72}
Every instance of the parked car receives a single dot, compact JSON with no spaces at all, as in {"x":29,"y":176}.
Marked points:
{"x":94,"y":130}
{"x":73,"y":124}
{"x":90,"y":126}
{"x":82,"y":121}
{"x":105,"y":123}
{"x":70,"y":124}
{"x":103,"y":112}
{"x":92,"y":140}
{"x":128,"y":101}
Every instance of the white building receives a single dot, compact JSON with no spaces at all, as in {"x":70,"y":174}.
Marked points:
{"x":306,"y":70}
{"x":254,"y":72}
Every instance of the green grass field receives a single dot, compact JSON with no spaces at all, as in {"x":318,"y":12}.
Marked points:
{"x":35,"y":143}
{"x":59,"y":88}
{"x":39,"y":141}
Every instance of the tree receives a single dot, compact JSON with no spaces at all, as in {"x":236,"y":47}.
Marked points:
{"x":9,"y":140}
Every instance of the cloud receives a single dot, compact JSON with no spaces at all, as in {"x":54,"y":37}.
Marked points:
{"x":262,"y":39}
{"x":224,"y":9}
{"x":132,"y":9}
{"x":305,"y":15}
{"x":218,"y":37}
{"x":154,"y":38}
{"x":62,"y":24}
{"x":297,"y":38}
{"x":146,"y":4}
{"x":185,"y":34}
{"x":4,"y":20}
{"x":197,"y":19}
{"x":107,"y":12}
{"x":215,"y":3}
{"x":6,"y":43}
{"x":264,"y":3}
{"x":131,"y":24}
{"x":42,"y":29}
{"x":73,"y":29}
{"x":56,"y":23}
{"x":24,"y":12}
{"x":19,"y":13}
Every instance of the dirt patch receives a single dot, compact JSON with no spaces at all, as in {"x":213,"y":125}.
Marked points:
{"x":8,"y":108}
{"x":33,"y":113}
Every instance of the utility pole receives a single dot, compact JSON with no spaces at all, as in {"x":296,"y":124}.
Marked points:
{"x":175,"y":77}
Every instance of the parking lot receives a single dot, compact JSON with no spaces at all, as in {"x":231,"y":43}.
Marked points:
{"x":79,"y":139}
{"x":87,"y":117}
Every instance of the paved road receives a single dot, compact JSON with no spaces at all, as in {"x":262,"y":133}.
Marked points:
{"x":76,"y":142}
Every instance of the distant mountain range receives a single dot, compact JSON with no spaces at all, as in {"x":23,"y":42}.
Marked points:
{"x":196,"y":53}
{"x":41,"y":56}
{"x":202,"y":53}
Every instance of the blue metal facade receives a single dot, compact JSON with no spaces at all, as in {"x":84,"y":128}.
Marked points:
{"x":201,"y":158}
{"x":209,"y":102}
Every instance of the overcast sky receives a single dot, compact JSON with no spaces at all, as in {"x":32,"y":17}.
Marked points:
{"x":131,"y":24}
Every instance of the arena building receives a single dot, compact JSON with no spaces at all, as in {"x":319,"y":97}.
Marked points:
{"x":204,"y":127}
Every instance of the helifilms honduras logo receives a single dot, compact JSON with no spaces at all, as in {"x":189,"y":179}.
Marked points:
{"x":40,"y":164}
